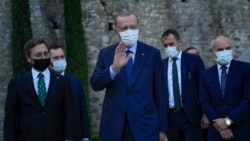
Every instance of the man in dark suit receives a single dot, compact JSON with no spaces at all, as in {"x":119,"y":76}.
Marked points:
{"x":225,"y":94}
{"x":58,"y":65}
{"x":134,"y":106}
{"x":39,"y":104}
{"x":182,"y":73}
{"x":205,"y":122}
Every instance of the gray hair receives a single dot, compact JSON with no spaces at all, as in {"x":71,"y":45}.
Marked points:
{"x":214,"y":38}
{"x":123,"y":13}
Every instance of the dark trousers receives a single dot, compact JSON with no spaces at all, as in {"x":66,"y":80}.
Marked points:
{"x":204,"y":134}
{"x":127,"y":134}
{"x":180,"y":129}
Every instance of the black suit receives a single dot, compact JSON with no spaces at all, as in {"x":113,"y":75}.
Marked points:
{"x":27,"y":120}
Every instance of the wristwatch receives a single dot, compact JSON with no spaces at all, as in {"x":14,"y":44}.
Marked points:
{"x":228,"y":121}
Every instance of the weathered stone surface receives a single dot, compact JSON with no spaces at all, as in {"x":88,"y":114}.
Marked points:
{"x":196,"y":20}
{"x":5,"y":56}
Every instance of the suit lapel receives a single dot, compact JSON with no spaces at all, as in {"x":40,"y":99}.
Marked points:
{"x":216,"y":81}
{"x":139,"y":61}
{"x":230,"y":76}
{"x":165,"y":69}
{"x":183,"y":69}
{"x":52,"y":86}
{"x":31,"y":86}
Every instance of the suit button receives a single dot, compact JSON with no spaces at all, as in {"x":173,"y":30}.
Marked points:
{"x":43,"y":112}
{"x":224,"y":106}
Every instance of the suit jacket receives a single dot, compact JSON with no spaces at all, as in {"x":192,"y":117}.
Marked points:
{"x":27,"y":120}
{"x":143,"y":100}
{"x":80,"y":106}
{"x":191,"y":68}
{"x":236,"y":101}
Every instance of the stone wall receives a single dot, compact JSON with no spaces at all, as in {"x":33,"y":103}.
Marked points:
{"x":196,"y":20}
{"x":5,"y":56}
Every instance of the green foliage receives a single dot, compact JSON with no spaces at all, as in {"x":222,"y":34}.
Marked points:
{"x":20,"y":34}
{"x":96,"y":139}
{"x":76,"y":49}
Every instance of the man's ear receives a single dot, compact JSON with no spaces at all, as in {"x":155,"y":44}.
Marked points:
{"x":212,"y":52}
{"x":115,"y":30}
{"x":29,"y":60}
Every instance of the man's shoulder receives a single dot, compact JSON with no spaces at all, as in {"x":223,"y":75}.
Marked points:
{"x":147,"y":46}
{"x":72,"y":77}
{"x":23,"y":76}
{"x":240,"y":63}
{"x":109,"y":48}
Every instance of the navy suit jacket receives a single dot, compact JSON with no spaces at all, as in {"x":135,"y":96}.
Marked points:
{"x":191,"y":68}
{"x":236,"y":101}
{"x":82,"y":121}
{"x":144,"y":100}
{"x":27,"y":120}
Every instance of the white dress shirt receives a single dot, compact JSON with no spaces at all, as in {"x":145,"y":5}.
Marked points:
{"x":46,"y":77}
{"x":170,"y":78}
{"x":220,"y":69}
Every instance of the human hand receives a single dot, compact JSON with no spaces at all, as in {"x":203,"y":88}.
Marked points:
{"x":226,"y":134}
{"x":220,"y":124}
{"x":119,"y":59}
{"x":204,"y":122}
{"x":163,"y":136}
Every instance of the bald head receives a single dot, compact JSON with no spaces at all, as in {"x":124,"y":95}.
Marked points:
{"x":221,"y":42}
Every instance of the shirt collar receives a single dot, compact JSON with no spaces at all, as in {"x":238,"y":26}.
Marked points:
{"x":133,"y":48}
{"x":178,"y":56}
{"x":35,"y":73}
{"x":219,"y":66}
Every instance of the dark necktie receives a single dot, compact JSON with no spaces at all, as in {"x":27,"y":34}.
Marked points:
{"x":176,"y":91}
{"x":41,"y":88}
{"x":129,"y":66}
{"x":223,"y":78}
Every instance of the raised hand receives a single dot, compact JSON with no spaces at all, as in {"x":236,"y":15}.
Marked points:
{"x":120,"y":59}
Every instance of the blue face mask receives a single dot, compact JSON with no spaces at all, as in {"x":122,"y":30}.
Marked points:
{"x":224,"y":57}
{"x":59,"y":65}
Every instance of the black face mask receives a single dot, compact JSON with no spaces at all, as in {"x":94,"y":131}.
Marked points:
{"x":41,"y":64}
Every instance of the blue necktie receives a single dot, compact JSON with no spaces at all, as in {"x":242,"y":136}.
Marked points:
{"x":176,"y":91}
{"x":223,"y":78}
{"x":41,"y":88}
{"x":129,"y":66}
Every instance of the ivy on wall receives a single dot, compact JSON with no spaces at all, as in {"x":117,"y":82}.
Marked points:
{"x":21,"y":32}
{"x":76,"y":49}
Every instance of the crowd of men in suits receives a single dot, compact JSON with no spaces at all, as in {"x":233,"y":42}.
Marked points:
{"x":146,"y":98}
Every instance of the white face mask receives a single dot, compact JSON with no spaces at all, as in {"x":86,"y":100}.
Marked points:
{"x":224,"y":57}
{"x":129,"y":37}
{"x":172,"y":51}
{"x":59,"y":65}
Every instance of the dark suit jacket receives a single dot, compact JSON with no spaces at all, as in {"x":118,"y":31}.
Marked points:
{"x":144,"y":100}
{"x":82,"y":121}
{"x":236,"y":102}
{"x":27,"y":120}
{"x":191,"y":68}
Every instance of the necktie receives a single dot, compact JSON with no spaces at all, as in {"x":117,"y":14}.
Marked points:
{"x":223,"y":78}
{"x":41,"y":88}
{"x":129,"y":66}
{"x":176,"y":91}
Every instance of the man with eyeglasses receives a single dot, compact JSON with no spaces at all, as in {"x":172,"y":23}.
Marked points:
{"x":225,"y":94}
